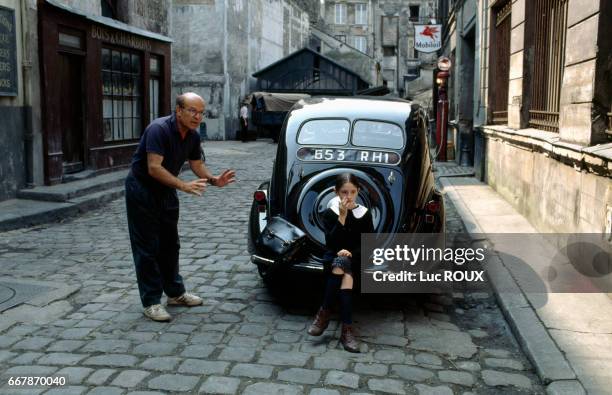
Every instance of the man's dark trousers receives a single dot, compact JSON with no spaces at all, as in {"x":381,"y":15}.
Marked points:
{"x":152,"y":222}
{"x":244,"y":130}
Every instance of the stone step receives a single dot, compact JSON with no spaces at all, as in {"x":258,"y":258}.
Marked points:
{"x":21,"y":213}
{"x":69,"y":191}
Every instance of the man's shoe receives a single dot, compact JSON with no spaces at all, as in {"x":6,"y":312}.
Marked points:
{"x":157,"y":312}
{"x":185,"y":299}
{"x":320,"y":323}
{"x":348,"y":339}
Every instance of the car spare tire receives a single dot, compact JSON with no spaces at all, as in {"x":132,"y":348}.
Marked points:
{"x":317,"y":191}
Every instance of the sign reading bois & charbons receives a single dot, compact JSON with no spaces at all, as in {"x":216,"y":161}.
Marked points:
{"x":427,"y":38}
{"x":8,"y":53}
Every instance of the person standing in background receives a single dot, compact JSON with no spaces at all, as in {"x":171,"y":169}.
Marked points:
{"x":244,"y":122}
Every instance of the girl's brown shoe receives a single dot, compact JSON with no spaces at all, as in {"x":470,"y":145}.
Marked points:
{"x":348,"y":339}
{"x":320,"y":322}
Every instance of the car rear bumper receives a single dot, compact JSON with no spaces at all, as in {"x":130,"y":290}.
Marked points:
{"x":309,"y":266}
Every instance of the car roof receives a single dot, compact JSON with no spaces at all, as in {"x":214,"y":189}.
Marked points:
{"x":393,"y":110}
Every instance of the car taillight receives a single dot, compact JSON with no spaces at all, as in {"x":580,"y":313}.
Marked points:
{"x":432,"y":207}
{"x":259,"y":196}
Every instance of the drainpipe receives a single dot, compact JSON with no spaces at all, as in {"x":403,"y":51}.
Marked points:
{"x":397,"y":55}
{"x":226,"y":76}
{"x":28,"y":134}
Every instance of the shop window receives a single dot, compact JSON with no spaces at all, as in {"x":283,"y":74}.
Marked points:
{"x":154,"y":84}
{"x":122,"y":98}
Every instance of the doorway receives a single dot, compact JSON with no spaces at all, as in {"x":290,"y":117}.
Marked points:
{"x":466,"y":98}
{"x":71,"y":112}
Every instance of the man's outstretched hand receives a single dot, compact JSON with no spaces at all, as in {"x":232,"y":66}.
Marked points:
{"x":195,"y":187}
{"x":227,"y":177}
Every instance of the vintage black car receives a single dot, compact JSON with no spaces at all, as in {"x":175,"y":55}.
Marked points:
{"x":384,"y":142}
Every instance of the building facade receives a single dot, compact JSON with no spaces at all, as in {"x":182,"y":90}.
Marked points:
{"x":532,"y":85}
{"x":102,"y":82}
{"x":80,"y":80}
{"x":83,"y":79}
{"x":385,"y":31}
{"x":218,"y":45}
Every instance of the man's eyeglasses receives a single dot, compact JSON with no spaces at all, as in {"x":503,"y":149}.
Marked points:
{"x":194,"y":112}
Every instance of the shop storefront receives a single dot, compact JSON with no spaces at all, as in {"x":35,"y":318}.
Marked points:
{"x":102,"y":82}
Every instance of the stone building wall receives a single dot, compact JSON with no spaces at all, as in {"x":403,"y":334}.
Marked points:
{"x":88,"y":7}
{"x":198,"y":55}
{"x":405,"y":58}
{"x":219,"y":45}
{"x":586,"y":93}
{"x":560,"y":181}
{"x":11,"y":112}
{"x":348,"y":56}
{"x":350,"y":28}
{"x":151,"y":15}
{"x":390,"y":35}
{"x":20,"y":128}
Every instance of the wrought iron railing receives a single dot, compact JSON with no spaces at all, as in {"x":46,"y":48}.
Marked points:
{"x":500,"y":117}
{"x":545,"y":120}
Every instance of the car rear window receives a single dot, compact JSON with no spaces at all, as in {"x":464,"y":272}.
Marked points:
{"x":324,"y":132}
{"x":378,"y":134}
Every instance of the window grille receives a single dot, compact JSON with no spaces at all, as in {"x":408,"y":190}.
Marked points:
{"x":550,"y":29}
{"x":500,"y":63}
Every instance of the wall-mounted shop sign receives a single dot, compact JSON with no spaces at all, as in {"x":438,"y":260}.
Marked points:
{"x":120,"y":38}
{"x":427,"y":38}
{"x":8,"y":53}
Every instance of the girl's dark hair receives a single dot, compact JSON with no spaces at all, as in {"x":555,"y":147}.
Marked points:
{"x":345,"y":178}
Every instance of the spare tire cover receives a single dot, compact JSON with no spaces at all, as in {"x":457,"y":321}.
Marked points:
{"x":316,"y":193}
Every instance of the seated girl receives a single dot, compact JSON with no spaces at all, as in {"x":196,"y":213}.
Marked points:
{"x":344,"y":222}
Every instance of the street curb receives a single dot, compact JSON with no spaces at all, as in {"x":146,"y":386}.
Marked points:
{"x":549,"y":362}
{"x":72,"y":208}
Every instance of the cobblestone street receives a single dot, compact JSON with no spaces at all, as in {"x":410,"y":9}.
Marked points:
{"x":243,"y":339}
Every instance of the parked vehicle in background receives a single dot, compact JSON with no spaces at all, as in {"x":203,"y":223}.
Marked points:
{"x":268,"y":110}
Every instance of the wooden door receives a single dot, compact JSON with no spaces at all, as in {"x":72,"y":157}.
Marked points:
{"x":71,"y":112}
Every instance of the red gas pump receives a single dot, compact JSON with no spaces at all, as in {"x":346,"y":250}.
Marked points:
{"x":444,"y":65}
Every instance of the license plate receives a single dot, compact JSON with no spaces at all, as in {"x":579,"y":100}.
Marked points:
{"x":313,"y":154}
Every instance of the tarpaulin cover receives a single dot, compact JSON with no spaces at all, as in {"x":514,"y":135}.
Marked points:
{"x":277,"y":101}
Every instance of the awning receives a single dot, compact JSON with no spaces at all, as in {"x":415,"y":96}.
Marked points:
{"x":278,"y":101}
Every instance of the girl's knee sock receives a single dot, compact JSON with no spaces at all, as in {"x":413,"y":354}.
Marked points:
{"x":346,"y":306}
{"x":333,"y":284}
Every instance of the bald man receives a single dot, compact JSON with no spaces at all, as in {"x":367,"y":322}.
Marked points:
{"x":153,"y":206}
